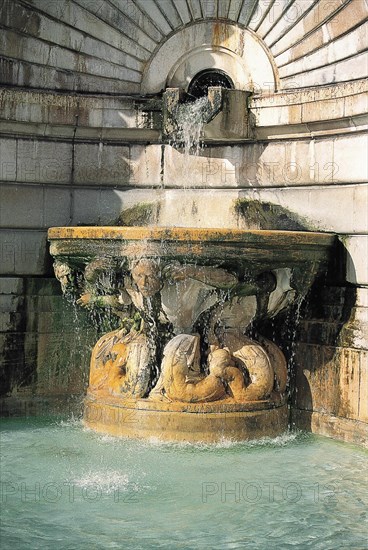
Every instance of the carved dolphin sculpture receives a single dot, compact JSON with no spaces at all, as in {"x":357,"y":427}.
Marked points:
{"x":181,"y":375}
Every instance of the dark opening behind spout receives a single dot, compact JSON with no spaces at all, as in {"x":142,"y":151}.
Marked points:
{"x":206,"y":79}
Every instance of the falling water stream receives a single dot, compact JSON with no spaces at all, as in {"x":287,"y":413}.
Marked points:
{"x":190,"y":122}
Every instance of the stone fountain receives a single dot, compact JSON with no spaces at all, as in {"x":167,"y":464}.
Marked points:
{"x":183,"y":364}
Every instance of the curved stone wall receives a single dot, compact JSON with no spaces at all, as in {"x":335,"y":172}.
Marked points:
{"x":78,"y":146}
{"x":215,"y":45}
{"x":98,"y":46}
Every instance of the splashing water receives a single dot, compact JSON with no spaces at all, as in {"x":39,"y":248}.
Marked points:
{"x":190,"y":122}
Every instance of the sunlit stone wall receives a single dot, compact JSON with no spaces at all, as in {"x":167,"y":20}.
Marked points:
{"x":79,"y":146}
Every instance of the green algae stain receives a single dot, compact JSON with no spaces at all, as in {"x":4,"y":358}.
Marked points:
{"x":141,"y":214}
{"x":265,"y":215}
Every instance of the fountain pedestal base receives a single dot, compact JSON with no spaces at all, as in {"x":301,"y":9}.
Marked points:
{"x":192,"y":422}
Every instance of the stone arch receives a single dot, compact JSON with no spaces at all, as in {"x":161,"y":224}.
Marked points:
{"x":238,"y":52}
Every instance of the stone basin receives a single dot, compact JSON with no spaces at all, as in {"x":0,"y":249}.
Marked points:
{"x":255,"y":249}
{"x":187,"y":367}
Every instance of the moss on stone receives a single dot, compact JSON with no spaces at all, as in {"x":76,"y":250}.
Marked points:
{"x":264,"y":215}
{"x":144,"y":213}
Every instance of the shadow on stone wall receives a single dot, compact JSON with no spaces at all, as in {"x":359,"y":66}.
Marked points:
{"x":13,"y":368}
{"x":47,"y":349}
{"x":316,"y":340}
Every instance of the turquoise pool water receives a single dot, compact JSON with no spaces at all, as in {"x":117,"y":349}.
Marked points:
{"x":64,"y":487}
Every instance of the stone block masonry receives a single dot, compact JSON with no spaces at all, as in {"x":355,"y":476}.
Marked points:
{"x":79,"y":145}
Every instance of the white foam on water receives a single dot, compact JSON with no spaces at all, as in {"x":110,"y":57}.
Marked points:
{"x":278,"y":441}
{"x":224,"y":443}
{"x":71,"y":422}
{"x":107,"y":481}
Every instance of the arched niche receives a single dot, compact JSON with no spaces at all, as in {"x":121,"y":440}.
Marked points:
{"x":217,"y":45}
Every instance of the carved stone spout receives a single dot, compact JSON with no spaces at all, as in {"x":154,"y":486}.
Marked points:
{"x":223,"y":114}
{"x":173,"y":102}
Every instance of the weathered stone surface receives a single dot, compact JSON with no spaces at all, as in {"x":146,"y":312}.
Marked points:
{"x":315,"y":93}
{"x":266,"y":18}
{"x":346,"y":19}
{"x":100,"y":206}
{"x":357,"y":250}
{"x":118,"y":20}
{"x":345,"y":429}
{"x":255,"y":73}
{"x":332,"y":381}
{"x":10,"y":302}
{"x":21,"y":205}
{"x":346,"y":46}
{"x":329,"y":208}
{"x":31,"y":206}
{"x":246,"y":12}
{"x":23,"y":252}
{"x":282,"y":26}
{"x":316,"y":207}
{"x":340,"y":71}
{"x":92,"y":25}
{"x":8,"y":160}
{"x":87,"y":205}
{"x":58,"y":108}
{"x":330,"y":367}
{"x":136,"y":14}
{"x":275,"y":164}
{"x":198,"y":208}
{"x":85,"y":41}
{"x":43,"y":27}
{"x":183,"y":10}
{"x":100,"y":164}
{"x":23,"y":73}
{"x":327,"y":109}
{"x":178,"y":425}
{"x":145,"y":165}
{"x":156,"y":15}
{"x":43,"y":161}
{"x":11,"y":285}
{"x":39,"y":339}
{"x":46,"y":114}
{"x":52,"y":110}
{"x":355,"y":104}
{"x":319,"y":13}
{"x":9,"y":321}
{"x":57,"y":206}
